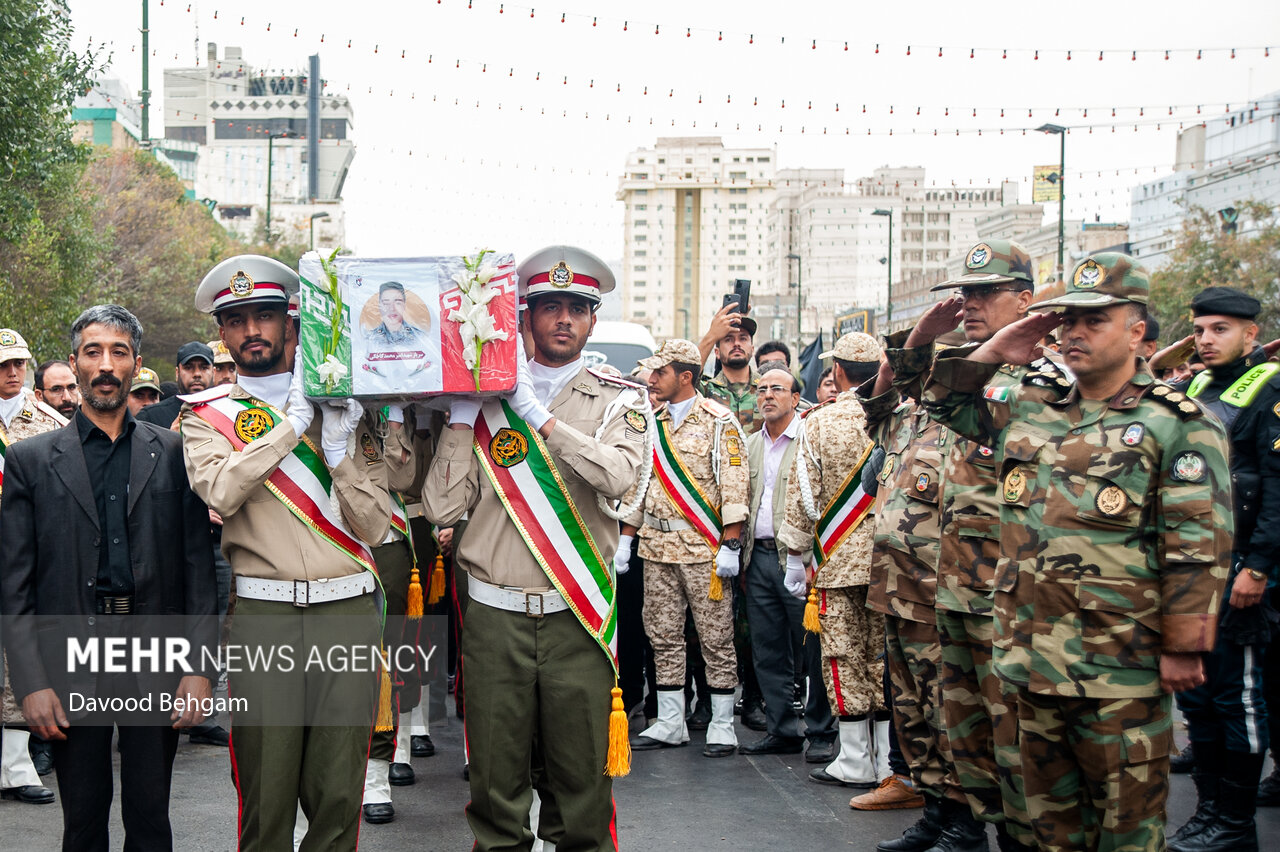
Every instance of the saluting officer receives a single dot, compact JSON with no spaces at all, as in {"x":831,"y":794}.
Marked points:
{"x":299,"y":513}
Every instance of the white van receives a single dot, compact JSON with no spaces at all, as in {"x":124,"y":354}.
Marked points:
{"x":618,"y":344}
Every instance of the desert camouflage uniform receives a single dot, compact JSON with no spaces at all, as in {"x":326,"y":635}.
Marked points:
{"x":1114,"y":549}
{"x":980,"y":725}
{"x":738,"y":397}
{"x":834,"y":438}
{"x":34,"y":418}
{"x":678,"y":564}
{"x":903,"y":586}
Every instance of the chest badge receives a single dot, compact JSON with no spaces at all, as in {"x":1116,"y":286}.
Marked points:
{"x":368,"y":449}
{"x":1189,"y":467}
{"x":922,"y":482}
{"x":508,"y":448}
{"x":887,"y":471}
{"x":1015,"y":483}
{"x":636,"y":420}
{"x":1133,"y":435}
{"x":1112,"y":501}
{"x":252,"y":423}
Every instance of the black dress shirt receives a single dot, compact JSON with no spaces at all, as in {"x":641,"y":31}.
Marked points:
{"x":108,"y":465}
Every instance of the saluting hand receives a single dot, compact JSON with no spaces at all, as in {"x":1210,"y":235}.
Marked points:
{"x":1019,"y":342}
{"x":937,"y":321}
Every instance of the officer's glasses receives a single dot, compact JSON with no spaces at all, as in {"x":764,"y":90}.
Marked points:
{"x":772,"y":390}
{"x":977,"y":294}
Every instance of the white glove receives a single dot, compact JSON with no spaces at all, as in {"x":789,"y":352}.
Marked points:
{"x":464,"y":410}
{"x":395,"y":413}
{"x":727,"y":561}
{"x":524,"y":402}
{"x":298,"y":408}
{"x":340,"y":421}
{"x":795,"y":581}
{"x":622,"y":559}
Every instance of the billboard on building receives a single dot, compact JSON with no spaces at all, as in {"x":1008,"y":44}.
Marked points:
{"x":851,"y":320}
{"x":1045,"y":183}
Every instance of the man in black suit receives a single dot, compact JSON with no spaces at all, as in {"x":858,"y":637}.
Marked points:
{"x":102,"y":535}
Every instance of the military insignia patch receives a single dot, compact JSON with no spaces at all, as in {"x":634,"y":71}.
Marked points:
{"x":561,"y":275}
{"x":887,"y":470}
{"x":922,"y":482}
{"x":1015,"y":483}
{"x":1111,"y":501}
{"x":241,"y":284}
{"x":1133,"y":435}
{"x":996,"y":394}
{"x":979,"y":256}
{"x":1189,"y":467}
{"x":369,"y":449}
{"x":636,"y":420}
{"x":733,"y":446}
{"x":985,"y":451}
{"x":252,"y":423}
{"x":1088,"y":276}
{"x":1276,"y":409}
{"x":508,"y":448}
{"x":8,"y":338}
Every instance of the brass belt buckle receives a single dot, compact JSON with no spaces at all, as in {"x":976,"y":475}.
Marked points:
{"x":528,"y":605}
{"x":306,"y":593}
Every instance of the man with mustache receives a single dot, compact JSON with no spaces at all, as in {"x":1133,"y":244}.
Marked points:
{"x":56,"y":387}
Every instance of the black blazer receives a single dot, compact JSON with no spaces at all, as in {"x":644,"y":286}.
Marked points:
{"x":49,"y":557}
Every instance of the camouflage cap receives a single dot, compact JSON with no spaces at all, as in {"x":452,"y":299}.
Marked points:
{"x":855,"y":346}
{"x":12,"y":346}
{"x":146,"y":378}
{"x":221,"y":354}
{"x":993,"y":262}
{"x":1108,"y":278}
{"x":674,"y":350}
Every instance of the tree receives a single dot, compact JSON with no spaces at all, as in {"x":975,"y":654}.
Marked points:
{"x":1206,"y":256}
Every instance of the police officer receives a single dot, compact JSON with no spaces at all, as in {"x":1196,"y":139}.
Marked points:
{"x":298,"y":519}
{"x":826,"y":503}
{"x":1227,"y":716}
{"x":1114,"y":551}
{"x":691,"y":541}
{"x":537,"y":638}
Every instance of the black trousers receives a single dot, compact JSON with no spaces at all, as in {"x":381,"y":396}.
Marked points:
{"x":83,"y":764}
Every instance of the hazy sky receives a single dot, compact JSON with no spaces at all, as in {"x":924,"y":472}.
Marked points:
{"x":478,"y":127}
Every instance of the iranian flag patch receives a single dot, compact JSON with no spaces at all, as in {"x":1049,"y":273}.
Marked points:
{"x":997,"y":394}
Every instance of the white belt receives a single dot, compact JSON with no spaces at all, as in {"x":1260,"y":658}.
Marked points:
{"x":532,"y":604}
{"x":666,"y":524}
{"x":305,"y":592}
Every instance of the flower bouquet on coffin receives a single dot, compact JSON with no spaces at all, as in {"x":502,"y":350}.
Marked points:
{"x":476,"y":323}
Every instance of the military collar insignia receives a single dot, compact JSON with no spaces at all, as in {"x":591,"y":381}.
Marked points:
{"x":979,"y":256}
{"x":561,"y":275}
{"x":1088,"y":276}
{"x":241,"y":284}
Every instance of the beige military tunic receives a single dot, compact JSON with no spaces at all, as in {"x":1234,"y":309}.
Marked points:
{"x":35,"y":418}
{"x":260,"y":536}
{"x":493,"y":550}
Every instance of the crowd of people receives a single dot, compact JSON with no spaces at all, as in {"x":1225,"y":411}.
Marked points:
{"x":972,"y":577}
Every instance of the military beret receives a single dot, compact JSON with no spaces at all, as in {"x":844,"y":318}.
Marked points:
{"x":1225,"y":301}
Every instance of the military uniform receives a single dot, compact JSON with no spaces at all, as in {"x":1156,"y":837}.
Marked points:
{"x":679,"y":563}
{"x":833,"y":440}
{"x":538,"y":684}
{"x":304,"y":738}
{"x":381,"y":336}
{"x":1113,"y":551}
{"x":738,"y":397}
{"x":30,"y":417}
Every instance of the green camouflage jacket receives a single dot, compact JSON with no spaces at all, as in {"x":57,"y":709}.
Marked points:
{"x":1115,"y":524}
{"x":738,"y":397}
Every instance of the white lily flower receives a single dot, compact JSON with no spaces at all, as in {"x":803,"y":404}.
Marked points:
{"x":486,"y":272}
{"x":332,"y":370}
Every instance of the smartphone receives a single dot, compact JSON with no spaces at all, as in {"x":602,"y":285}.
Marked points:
{"x":731,"y":299}
{"x":742,"y":287}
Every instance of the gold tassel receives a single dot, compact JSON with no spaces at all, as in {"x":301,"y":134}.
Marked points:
{"x":618,"y":763}
{"x":386,"y":721}
{"x":716,"y":592}
{"x":437,"y":581}
{"x":811,"y":622}
{"x":413,"y":609}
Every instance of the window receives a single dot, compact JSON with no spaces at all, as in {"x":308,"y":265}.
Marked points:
{"x":639,"y":253}
{"x":642,"y":192}
{"x":640,"y":207}
{"x":640,"y":237}
{"x":640,"y":267}
{"x":688,"y":160}
{"x":641,"y":223}
{"x":762,"y":159}
{"x":737,"y":175}
{"x":662,"y":160}
{"x":637,"y":298}
{"x":639,"y":175}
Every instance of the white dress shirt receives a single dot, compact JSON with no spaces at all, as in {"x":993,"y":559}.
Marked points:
{"x":773,"y":452}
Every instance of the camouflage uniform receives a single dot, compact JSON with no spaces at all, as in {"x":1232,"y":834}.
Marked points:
{"x":1113,"y":550}
{"x":738,"y":397}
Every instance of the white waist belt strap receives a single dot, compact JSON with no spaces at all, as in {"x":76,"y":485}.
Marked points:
{"x":305,"y":592}
{"x":532,"y":604}
{"x":666,"y":524}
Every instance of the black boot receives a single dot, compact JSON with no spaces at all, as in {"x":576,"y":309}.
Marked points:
{"x":961,"y":831}
{"x":1268,"y":790}
{"x":1233,"y":828}
{"x":1182,"y":762}
{"x":922,"y":834}
{"x":1207,"y":776}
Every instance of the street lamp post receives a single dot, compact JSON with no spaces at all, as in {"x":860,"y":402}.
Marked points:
{"x":888,"y":311}
{"x":799,"y":302}
{"x":1062,"y":166}
{"x":312,"y":227}
{"x":272,"y":137}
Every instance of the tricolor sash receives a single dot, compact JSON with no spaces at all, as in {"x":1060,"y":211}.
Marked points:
{"x":301,"y":482}
{"x":524,"y":476}
{"x":400,"y":520}
{"x":843,"y":513}
{"x":683,"y":489}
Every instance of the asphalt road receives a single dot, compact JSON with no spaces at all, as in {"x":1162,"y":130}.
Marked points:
{"x":673,"y":799}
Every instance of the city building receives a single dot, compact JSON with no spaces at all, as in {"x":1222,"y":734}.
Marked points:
{"x":107,"y":115}
{"x":271,"y":145}
{"x":1219,"y":164}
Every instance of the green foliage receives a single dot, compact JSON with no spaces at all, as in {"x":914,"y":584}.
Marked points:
{"x":1206,"y":257}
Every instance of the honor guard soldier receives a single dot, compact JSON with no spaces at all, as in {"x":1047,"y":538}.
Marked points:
{"x":21,"y":416}
{"x":537,"y":471}
{"x":1227,"y":717}
{"x":826,"y":509}
{"x":299,"y":514}
{"x":690,"y":534}
{"x":1114,"y":544}
{"x":994,"y":290}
